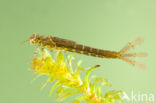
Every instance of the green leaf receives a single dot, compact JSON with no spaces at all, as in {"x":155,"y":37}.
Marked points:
{"x":54,"y":87}
{"x":113,"y":96}
{"x":80,"y":99}
{"x":103,"y":80}
{"x":79,"y":69}
{"x":88,"y":72}
{"x":67,"y":93}
{"x":60,"y":89}
{"x":69,"y":61}
{"x":60,"y":59}
{"x":46,"y":82}
{"x":98,"y":91}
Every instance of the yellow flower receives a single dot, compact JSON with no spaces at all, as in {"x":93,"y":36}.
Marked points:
{"x":69,"y":83}
{"x":56,"y":70}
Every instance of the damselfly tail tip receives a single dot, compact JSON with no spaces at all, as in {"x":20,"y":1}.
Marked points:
{"x":125,"y":56}
{"x":135,"y":63}
{"x":132,"y":44}
{"x":141,"y":54}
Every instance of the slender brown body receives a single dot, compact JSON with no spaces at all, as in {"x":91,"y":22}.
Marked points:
{"x":68,"y":45}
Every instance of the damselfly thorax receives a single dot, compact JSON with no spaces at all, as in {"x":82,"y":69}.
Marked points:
{"x":52,"y":42}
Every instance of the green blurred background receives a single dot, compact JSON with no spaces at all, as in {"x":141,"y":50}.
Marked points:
{"x":105,"y":24}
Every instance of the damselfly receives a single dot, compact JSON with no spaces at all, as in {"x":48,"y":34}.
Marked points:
{"x":52,"y":42}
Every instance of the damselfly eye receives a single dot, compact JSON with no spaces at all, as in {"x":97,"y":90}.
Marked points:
{"x":33,"y":38}
{"x":31,"y":41}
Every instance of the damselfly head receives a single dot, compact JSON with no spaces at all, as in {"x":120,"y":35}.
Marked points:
{"x":33,"y":38}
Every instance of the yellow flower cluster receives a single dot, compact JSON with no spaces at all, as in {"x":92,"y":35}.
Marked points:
{"x":69,"y":83}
